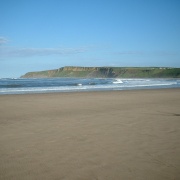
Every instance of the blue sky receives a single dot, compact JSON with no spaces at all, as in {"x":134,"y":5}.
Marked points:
{"x":48,"y":34}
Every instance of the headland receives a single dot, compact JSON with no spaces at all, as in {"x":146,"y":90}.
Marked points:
{"x":107,"y":72}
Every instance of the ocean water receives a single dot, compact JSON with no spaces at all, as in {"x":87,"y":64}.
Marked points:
{"x":46,"y":85}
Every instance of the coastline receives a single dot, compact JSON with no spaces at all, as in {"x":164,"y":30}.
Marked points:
{"x":129,"y":134}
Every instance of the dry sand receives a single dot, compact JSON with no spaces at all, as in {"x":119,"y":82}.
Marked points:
{"x":122,"y":135}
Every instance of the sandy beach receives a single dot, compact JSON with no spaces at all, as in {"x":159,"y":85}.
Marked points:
{"x":115,"y":135}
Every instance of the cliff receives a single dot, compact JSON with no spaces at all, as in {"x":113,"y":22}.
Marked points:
{"x":107,"y":72}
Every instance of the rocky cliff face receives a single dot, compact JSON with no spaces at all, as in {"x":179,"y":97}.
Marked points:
{"x":70,"y":71}
{"x":71,"y":68}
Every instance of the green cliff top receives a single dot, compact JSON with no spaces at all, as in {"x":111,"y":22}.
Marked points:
{"x":107,"y":72}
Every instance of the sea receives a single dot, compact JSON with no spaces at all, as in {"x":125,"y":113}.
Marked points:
{"x":50,"y":85}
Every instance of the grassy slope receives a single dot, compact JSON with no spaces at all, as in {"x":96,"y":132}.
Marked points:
{"x":121,"y":72}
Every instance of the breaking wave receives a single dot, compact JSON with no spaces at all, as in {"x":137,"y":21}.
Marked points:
{"x":23,"y":86}
{"x":118,"y":81}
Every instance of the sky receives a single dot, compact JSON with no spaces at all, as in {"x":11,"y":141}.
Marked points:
{"x":48,"y":34}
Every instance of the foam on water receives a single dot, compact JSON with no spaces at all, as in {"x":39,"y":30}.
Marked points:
{"x":22,"y":86}
{"x":118,"y":81}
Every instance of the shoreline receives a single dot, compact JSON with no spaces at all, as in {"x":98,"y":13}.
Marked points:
{"x":128,"y":134}
{"x":91,"y":91}
{"x":84,"y":85}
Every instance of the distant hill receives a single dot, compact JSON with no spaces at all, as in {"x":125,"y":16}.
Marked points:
{"x":107,"y":72}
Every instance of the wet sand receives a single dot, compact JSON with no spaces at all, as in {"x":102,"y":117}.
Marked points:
{"x":120,"y":135}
